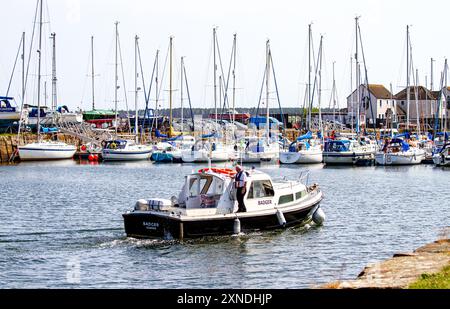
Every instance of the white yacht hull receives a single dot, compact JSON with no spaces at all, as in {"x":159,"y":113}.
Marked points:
{"x":400,"y":158}
{"x":301,"y":157}
{"x":440,"y":160}
{"x":126,"y":155}
{"x":200,"y":156}
{"x":46,"y":151}
{"x":347,"y":157}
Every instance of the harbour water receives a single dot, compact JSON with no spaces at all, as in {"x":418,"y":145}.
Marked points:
{"x":61,"y":227}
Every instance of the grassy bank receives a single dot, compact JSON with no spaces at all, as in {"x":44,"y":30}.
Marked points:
{"x":440,"y":280}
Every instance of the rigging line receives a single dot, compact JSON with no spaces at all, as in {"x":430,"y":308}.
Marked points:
{"x":227,"y":84}
{"x":221,"y":66}
{"x":189,"y":96}
{"x":163,"y":73}
{"x":14,"y":67}
{"x":124,"y":85}
{"x":367,"y":78}
{"x":260,"y":94}
{"x":31,"y":45}
{"x":278,"y":95}
{"x":147,"y":94}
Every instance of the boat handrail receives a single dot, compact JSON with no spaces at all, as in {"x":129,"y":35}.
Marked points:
{"x":304,"y":177}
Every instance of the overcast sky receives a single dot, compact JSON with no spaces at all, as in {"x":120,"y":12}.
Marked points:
{"x":285,"y":23}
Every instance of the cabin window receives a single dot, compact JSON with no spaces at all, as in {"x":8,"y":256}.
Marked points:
{"x":284,"y":199}
{"x":381,"y":103}
{"x":300,"y":194}
{"x":261,"y":189}
{"x":403,"y":102}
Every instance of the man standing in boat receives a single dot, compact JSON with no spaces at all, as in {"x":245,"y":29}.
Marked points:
{"x":240,"y":182}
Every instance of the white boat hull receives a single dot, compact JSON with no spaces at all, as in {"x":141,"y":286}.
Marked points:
{"x":440,"y":160}
{"x":126,"y":155}
{"x":400,"y":158}
{"x":46,"y":151}
{"x":201,"y":156}
{"x":301,"y":157}
{"x":347,"y":157}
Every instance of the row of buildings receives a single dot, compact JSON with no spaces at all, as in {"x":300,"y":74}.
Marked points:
{"x":381,"y":107}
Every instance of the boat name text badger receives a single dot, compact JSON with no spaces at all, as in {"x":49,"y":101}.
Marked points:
{"x":265,"y":202}
{"x":150,"y":225}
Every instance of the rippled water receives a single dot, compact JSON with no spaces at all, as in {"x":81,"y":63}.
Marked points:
{"x":55,"y":215}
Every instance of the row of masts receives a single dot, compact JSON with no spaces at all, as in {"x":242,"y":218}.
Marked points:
{"x":216,"y":56}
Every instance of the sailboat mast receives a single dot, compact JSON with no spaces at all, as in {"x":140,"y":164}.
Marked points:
{"x":215,"y":74}
{"x":181,"y":93}
{"x":136,"y":119}
{"x":334,"y":94}
{"x":39,"y":73}
{"x":446,"y":97}
{"x":116,"y":78}
{"x":23,"y":83}
{"x":93,"y":73}
{"x":170,"y":86}
{"x":309,"y":78}
{"x":431,"y":76}
{"x":320,"y":86}
{"x":233,"y":119}
{"x":407,"y":78}
{"x":352,"y":106}
{"x":267,"y":89}
{"x":54,"y":79}
{"x":357,"y":78}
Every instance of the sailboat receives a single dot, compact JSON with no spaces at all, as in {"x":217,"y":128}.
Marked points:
{"x":397,"y":151}
{"x":119,"y":149}
{"x":347,"y":151}
{"x":44,"y":150}
{"x":306,"y":149}
{"x":209,"y":148}
{"x":256,"y":149}
{"x":171,"y":149}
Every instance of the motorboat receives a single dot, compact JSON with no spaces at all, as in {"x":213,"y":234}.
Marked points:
{"x":398,"y":152}
{"x":305,"y":150}
{"x":46,"y":150}
{"x":348,"y":151}
{"x":207,"y":206}
{"x":125,"y":150}
{"x":442,"y":157}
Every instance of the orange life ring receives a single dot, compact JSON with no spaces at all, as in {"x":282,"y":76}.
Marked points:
{"x":225,"y":171}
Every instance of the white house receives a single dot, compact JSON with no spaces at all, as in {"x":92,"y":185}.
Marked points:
{"x":375,"y":103}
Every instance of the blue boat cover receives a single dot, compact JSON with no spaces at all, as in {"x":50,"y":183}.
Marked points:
{"x":305,"y":136}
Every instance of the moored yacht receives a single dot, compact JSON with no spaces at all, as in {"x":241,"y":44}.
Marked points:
{"x":203,"y":152}
{"x":305,"y":150}
{"x":442,"y":157}
{"x":348,"y":151}
{"x":207,"y":206}
{"x":46,"y":150}
{"x":398,"y":152}
{"x":125,"y":150}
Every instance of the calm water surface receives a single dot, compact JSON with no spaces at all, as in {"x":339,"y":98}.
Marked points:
{"x":55,"y":215}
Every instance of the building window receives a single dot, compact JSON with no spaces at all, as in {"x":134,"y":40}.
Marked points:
{"x":403,"y":102}
{"x":381,"y":103}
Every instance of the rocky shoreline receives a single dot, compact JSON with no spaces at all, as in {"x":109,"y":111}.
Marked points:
{"x":401,"y":270}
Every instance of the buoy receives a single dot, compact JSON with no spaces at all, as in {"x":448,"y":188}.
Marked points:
{"x":91,"y":157}
{"x":281,"y":218}
{"x":95,"y":157}
{"x":237,"y":226}
{"x":319,"y":216}
{"x":83,"y":148}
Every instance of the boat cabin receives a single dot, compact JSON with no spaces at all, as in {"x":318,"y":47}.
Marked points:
{"x":5,"y":105}
{"x":115,"y":144}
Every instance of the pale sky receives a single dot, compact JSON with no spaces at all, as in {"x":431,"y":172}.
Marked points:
{"x":284,"y":22}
